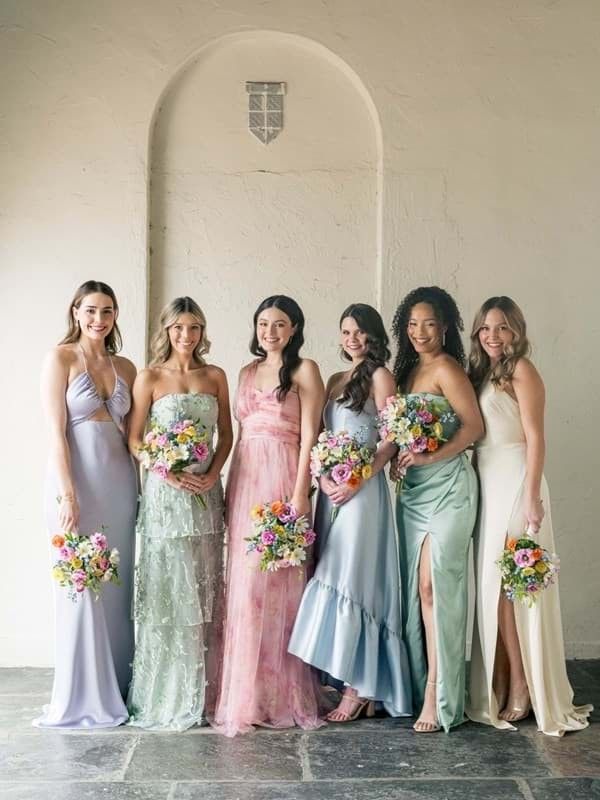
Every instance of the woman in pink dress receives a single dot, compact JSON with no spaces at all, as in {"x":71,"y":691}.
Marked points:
{"x":278,"y":407}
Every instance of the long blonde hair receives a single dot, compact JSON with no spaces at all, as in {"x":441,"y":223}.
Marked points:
{"x":113,"y":341}
{"x":160,"y":346}
{"x":480,"y":367}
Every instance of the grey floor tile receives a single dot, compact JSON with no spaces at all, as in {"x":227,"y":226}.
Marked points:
{"x":565,"y":789}
{"x":352,"y":790}
{"x":85,"y":791}
{"x":575,"y":755}
{"x":259,"y":756}
{"x":17,"y":711}
{"x":49,"y":755}
{"x":469,"y":751}
{"x":25,"y":680}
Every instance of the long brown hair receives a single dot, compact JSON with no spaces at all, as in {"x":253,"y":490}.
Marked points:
{"x":480,"y":366}
{"x":290,"y":356}
{"x":113,"y":341}
{"x":160,"y":345}
{"x":356,"y":391}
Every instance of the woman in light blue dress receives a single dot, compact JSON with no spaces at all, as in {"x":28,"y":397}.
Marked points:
{"x":86,"y":397}
{"x":179,"y":598}
{"x":437,"y":506}
{"x":349,"y":622}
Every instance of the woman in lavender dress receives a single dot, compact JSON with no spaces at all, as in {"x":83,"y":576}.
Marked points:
{"x":86,"y":396}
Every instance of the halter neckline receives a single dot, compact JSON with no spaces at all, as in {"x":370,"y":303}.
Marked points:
{"x":92,"y":382}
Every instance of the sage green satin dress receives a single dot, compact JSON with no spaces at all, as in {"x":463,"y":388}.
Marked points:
{"x":439,"y":501}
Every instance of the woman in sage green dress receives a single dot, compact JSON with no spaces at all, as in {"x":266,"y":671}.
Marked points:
{"x":436,"y":507}
{"x":179,"y":600}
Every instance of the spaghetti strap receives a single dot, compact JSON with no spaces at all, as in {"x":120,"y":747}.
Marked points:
{"x":115,"y":373}
{"x":85,"y":366}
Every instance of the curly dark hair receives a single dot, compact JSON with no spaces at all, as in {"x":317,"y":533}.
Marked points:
{"x":447,"y":314}
{"x":290,"y":355}
{"x":357,"y":390}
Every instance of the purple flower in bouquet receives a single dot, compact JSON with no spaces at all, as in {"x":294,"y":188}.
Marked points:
{"x":523,"y":557}
{"x":161,"y":470}
{"x":201,"y":452}
{"x":340,"y":473}
{"x":180,"y":426}
{"x":309,"y":537}
{"x":267,"y":537}
{"x":419,"y":445}
{"x":79,"y":580}
{"x":98,"y":540}
{"x":425,"y":416}
{"x":289,"y":514}
{"x":162,"y":440}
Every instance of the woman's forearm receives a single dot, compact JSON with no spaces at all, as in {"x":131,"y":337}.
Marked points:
{"x":61,"y":456}
{"x":302,"y":485}
{"x":536,"y":450}
{"x":385,"y":452}
{"x":224,"y":444}
{"x":463,"y":437}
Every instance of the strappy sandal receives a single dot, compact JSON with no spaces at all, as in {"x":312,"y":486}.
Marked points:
{"x":362,"y":708}
{"x":432,"y":727}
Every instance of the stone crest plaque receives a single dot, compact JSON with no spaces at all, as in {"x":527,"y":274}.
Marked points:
{"x":265,"y":109}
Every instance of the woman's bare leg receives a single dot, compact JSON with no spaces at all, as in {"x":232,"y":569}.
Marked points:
{"x":518,"y":705}
{"x":428,"y":721}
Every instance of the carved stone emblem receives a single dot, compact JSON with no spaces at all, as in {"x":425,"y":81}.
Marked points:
{"x":265,"y":109}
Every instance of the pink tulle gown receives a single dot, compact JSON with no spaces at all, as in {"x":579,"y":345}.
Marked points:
{"x":262,"y":684}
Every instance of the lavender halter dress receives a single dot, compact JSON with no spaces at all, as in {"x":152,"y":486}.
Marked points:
{"x":94,"y":639}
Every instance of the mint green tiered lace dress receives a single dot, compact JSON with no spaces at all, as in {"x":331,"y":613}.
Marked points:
{"x":179,"y":590}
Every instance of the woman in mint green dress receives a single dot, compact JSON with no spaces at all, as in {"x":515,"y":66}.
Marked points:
{"x":179,"y":598}
{"x":437,"y":506}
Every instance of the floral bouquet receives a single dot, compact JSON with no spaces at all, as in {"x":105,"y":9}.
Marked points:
{"x":414,"y":422}
{"x":526,"y":569}
{"x":180,"y":447}
{"x":85,"y":562}
{"x":281,"y":536}
{"x":343,"y":458}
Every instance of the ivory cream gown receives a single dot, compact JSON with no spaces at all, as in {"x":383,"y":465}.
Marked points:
{"x":501,"y":463}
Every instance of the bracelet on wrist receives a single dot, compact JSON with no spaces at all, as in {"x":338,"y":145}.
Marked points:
{"x":68,"y":496}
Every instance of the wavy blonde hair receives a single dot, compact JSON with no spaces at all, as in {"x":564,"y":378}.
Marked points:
{"x":160,"y":345}
{"x":480,"y":367}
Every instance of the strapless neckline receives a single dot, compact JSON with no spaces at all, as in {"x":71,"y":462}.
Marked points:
{"x":184,"y":394}
{"x":428,"y":394}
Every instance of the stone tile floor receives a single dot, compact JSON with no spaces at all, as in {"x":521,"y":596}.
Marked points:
{"x":380,"y":759}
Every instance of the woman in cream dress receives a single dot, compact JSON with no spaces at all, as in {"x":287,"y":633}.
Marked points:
{"x":517,"y":660}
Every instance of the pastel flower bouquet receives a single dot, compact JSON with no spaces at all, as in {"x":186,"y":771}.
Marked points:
{"x":281,"y":536}
{"x":182,"y":446}
{"x":344,"y":458}
{"x":85,"y":562}
{"x":414,"y":422}
{"x":527,"y":569}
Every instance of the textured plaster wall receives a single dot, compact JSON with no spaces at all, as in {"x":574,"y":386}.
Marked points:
{"x":234,"y":221}
{"x":483,"y":177}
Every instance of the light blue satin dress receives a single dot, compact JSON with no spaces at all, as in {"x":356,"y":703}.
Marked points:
{"x":94,"y":638}
{"x":349,"y":623}
{"x":440,"y":501}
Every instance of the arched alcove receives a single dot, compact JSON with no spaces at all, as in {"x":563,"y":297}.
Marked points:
{"x":233,"y":220}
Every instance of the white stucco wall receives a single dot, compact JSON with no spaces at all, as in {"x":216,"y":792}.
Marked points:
{"x":486,"y":179}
